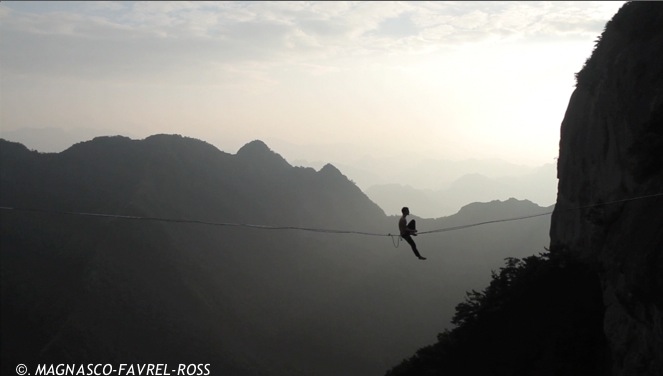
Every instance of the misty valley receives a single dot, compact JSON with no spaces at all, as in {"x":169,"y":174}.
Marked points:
{"x":245,"y":300}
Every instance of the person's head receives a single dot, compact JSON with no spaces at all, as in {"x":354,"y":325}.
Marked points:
{"x":405,"y":210}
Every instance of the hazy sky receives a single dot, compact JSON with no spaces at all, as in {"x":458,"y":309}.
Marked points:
{"x":442,"y":79}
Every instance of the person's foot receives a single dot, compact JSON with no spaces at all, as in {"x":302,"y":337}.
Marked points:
{"x":421,"y":258}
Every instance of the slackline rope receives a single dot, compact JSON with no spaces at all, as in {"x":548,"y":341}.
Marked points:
{"x":328,"y":231}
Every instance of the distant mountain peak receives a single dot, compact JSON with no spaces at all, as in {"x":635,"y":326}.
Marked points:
{"x":330,"y":169}
{"x":99,"y":143}
{"x":509,"y":208}
{"x":258,"y":152}
{"x":510,"y":202}
{"x":253,"y":147}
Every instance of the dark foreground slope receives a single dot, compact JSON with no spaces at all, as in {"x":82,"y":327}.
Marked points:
{"x":79,"y":289}
{"x":593,"y":305}
{"x":539,"y":316}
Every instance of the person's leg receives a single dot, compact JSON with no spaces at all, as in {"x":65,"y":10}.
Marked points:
{"x":412,"y":225}
{"x":410,"y":241}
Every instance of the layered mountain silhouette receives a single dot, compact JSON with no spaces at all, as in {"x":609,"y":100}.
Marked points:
{"x":199,"y":289}
{"x":135,"y":177}
{"x":538,"y":185}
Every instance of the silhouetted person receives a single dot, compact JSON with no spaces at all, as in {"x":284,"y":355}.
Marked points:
{"x":408,"y":230}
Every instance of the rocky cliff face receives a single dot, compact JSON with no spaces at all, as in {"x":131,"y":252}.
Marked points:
{"x":611,"y":165}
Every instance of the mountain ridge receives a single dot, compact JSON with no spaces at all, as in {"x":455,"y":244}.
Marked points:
{"x":126,"y":164}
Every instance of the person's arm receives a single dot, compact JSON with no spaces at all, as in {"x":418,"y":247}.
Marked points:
{"x":402,"y":227}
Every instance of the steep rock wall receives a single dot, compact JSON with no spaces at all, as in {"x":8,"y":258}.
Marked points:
{"x":611,"y":150}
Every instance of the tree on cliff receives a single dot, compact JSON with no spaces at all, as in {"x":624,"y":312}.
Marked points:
{"x":540,"y":315}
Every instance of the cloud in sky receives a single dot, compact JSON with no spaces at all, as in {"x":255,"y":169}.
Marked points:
{"x":455,"y":79}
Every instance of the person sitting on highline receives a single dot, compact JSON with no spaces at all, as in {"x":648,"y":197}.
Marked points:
{"x":408,"y":230}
